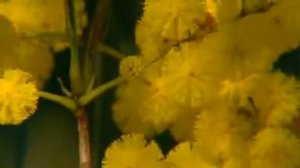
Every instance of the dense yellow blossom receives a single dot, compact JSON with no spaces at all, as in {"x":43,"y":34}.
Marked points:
{"x":217,"y":90}
{"x":132,"y":151}
{"x":18,"y":97}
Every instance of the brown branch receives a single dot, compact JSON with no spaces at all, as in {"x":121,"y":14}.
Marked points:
{"x":84,"y":139}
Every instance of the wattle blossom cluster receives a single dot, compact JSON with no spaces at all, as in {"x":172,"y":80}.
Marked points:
{"x":205,"y":73}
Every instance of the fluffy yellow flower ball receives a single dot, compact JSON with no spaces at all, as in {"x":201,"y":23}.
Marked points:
{"x":18,"y":97}
{"x":132,"y":151}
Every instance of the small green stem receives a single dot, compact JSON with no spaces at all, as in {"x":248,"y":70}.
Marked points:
{"x":87,"y":98}
{"x":110,"y":51}
{"x":75,"y":69}
{"x":64,"y":101}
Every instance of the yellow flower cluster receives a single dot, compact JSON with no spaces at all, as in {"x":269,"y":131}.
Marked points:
{"x":215,"y":90}
{"x":18,"y":97}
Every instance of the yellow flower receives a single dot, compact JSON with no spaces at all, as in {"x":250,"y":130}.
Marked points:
{"x":189,"y":81}
{"x":181,"y":128}
{"x":131,"y":66}
{"x":276,"y":148}
{"x":211,"y":130}
{"x":126,"y":110}
{"x":177,"y":20}
{"x":263,"y":37}
{"x":278,"y":101}
{"x":18,"y":97}
{"x":185,"y":155}
{"x":43,"y":60}
{"x":236,"y":91}
{"x":150,"y":43}
{"x":132,"y":151}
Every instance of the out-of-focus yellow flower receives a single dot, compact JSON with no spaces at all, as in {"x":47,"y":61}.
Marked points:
{"x":8,"y":34}
{"x":8,"y":42}
{"x":276,"y":148}
{"x":18,"y":97}
{"x":23,"y":54}
{"x":132,"y":151}
{"x":32,"y":17}
{"x":31,"y":54}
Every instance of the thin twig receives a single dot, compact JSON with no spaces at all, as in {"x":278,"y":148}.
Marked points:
{"x":64,"y":101}
{"x":75,"y":73}
{"x":64,"y":88}
{"x":86,"y":99}
{"x":96,"y":32}
{"x":110,"y":51}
